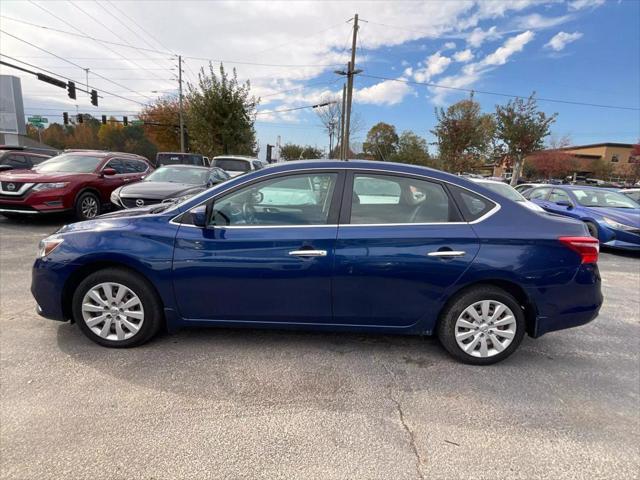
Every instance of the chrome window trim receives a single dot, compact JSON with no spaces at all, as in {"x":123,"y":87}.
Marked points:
{"x":490,"y":213}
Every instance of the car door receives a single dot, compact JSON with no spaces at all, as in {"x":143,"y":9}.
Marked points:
{"x":266,"y":254}
{"x":401,"y":244}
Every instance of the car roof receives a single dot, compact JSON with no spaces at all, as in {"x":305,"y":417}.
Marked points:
{"x":485,"y":180}
{"x":236,"y":157}
{"x":104,"y":153}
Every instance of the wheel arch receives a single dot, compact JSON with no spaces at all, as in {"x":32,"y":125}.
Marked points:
{"x":94,"y":266}
{"x":509,"y":286}
{"x":89,"y":189}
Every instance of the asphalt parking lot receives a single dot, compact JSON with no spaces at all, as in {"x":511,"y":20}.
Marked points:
{"x":264,"y":404}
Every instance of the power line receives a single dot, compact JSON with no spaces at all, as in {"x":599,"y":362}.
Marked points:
{"x":75,"y":64}
{"x":508,"y":95}
{"x":100,"y":23}
{"x":113,"y":94}
{"x":265,"y":112}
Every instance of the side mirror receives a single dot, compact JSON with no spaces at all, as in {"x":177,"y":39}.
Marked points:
{"x":109,"y":171}
{"x":564,"y":203}
{"x":199,"y":216}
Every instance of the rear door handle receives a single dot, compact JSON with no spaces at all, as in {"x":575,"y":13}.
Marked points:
{"x":447,"y":253}
{"x":308,"y":253}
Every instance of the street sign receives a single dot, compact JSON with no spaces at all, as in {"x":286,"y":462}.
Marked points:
{"x":37,"y":119}
{"x":137,"y":123}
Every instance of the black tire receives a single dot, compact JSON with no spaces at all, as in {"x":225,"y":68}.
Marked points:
{"x":153,"y":312}
{"x":12,"y":216}
{"x":593,"y":229}
{"x":82,"y":201}
{"x":446,"y":326}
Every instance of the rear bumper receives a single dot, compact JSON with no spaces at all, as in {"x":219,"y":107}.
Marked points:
{"x":570,"y":305}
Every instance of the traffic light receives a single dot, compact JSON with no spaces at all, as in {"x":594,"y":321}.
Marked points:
{"x":104,"y":118}
{"x":269,"y":153}
{"x":65,"y":118}
{"x":125,"y":121}
{"x":79,"y":118}
{"x":94,"y":98}
{"x":71,"y":89}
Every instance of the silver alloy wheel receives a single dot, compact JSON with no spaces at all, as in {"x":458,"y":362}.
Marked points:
{"x":485,"y":328}
{"x":89,"y":207}
{"x":112,"y":311}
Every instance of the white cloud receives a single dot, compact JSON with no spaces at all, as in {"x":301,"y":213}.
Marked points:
{"x":388,"y":92}
{"x":536,"y":21}
{"x":472,"y":72}
{"x":478,"y":36}
{"x":449,"y":46}
{"x":562,"y":39}
{"x":511,"y":46}
{"x":408,"y":72}
{"x":434,"y":65}
{"x":463,"y":55}
{"x":580,"y":4}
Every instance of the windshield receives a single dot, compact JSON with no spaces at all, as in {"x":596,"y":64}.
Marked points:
{"x":179,"y":159}
{"x":195,"y":176}
{"x":603,"y":198}
{"x":504,"y":190}
{"x":72,"y":163}
{"x":232,"y":164}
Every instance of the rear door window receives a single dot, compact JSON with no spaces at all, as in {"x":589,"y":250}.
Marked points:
{"x":232,"y":164}
{"x":117,"y":164}
{"x":390,"y":199}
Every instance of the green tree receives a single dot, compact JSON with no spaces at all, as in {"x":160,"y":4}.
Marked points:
{"x":221,"y":114}
{"x":162,"y":120}
{"x":382,"y":141}
{"x":602,"y":169}
{"x":464,"y":136}
{"x":291,"y":151}
{"x":522,"y":128}
{"x":412,"y":149}
{"x":111,"y":135}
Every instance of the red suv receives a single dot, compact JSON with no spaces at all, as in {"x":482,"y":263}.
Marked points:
{"x":80,"y":181}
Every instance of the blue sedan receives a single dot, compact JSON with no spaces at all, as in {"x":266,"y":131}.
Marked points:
{"x":327,"y":245}
{"x":612,"y":218}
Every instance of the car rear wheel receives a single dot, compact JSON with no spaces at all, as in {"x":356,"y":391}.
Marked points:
{"x":117,"y":308}
{"x":87,"y":206}
{"x":482,"y":326}
{"x":593,"y":229}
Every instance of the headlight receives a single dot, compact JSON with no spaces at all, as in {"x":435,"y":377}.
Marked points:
{"x":48,"y":245}
{"x":38,"y":187}
{"x":617,"y":225}
{"x":114,"y":198}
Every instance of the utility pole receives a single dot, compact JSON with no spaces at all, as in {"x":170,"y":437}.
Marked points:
{"x":86,"y":71}
{"x":351,"y":71}
{"x":180,"y":102}
{"x":344,"y":96}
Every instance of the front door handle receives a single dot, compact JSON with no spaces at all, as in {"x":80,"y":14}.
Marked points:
{"x":308,"y":253}
{"x":447,"y":253}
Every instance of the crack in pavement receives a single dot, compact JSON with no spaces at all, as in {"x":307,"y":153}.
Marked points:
{"x":405,"y":426}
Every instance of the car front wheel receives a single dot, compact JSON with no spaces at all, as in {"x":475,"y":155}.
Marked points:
{"x":593,"y":229}
{"x":117,"y":308}
{"x":482,"y":326}
{"x":87,"y":206}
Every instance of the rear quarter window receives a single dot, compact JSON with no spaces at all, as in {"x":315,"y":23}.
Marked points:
{"x":472,"y":205}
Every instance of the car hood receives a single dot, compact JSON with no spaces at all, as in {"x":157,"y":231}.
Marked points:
{"x":627,"y":216}
{"x":159,"y":190}
{"x":32,"y":176}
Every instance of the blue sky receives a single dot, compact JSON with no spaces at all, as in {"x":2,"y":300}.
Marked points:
{"x":581,"y":50}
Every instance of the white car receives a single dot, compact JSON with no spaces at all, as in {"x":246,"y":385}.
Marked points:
{"x":507,"y":191}
{"x":236,"y":165}
{"x":632,"y":193}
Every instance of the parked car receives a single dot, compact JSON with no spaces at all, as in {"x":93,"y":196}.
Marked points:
{"x":446,"y":256}
{"x":169,"y":182}
{"x":179,"y":158}
{"x":80,"y":181}
{"x":12,"y":158}
{"x":611,"y":217}
{"x":236,"y":165}
{"x":507,"y":191}
{"x":632,"y":193}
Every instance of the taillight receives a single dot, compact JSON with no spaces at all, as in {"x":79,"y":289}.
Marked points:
{"x":587,"y":247}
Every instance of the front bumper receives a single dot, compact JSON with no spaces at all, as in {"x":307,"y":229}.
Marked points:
{"x":47,"y":284}
{"x":620,"y":239}
{"x":47,"y":201}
